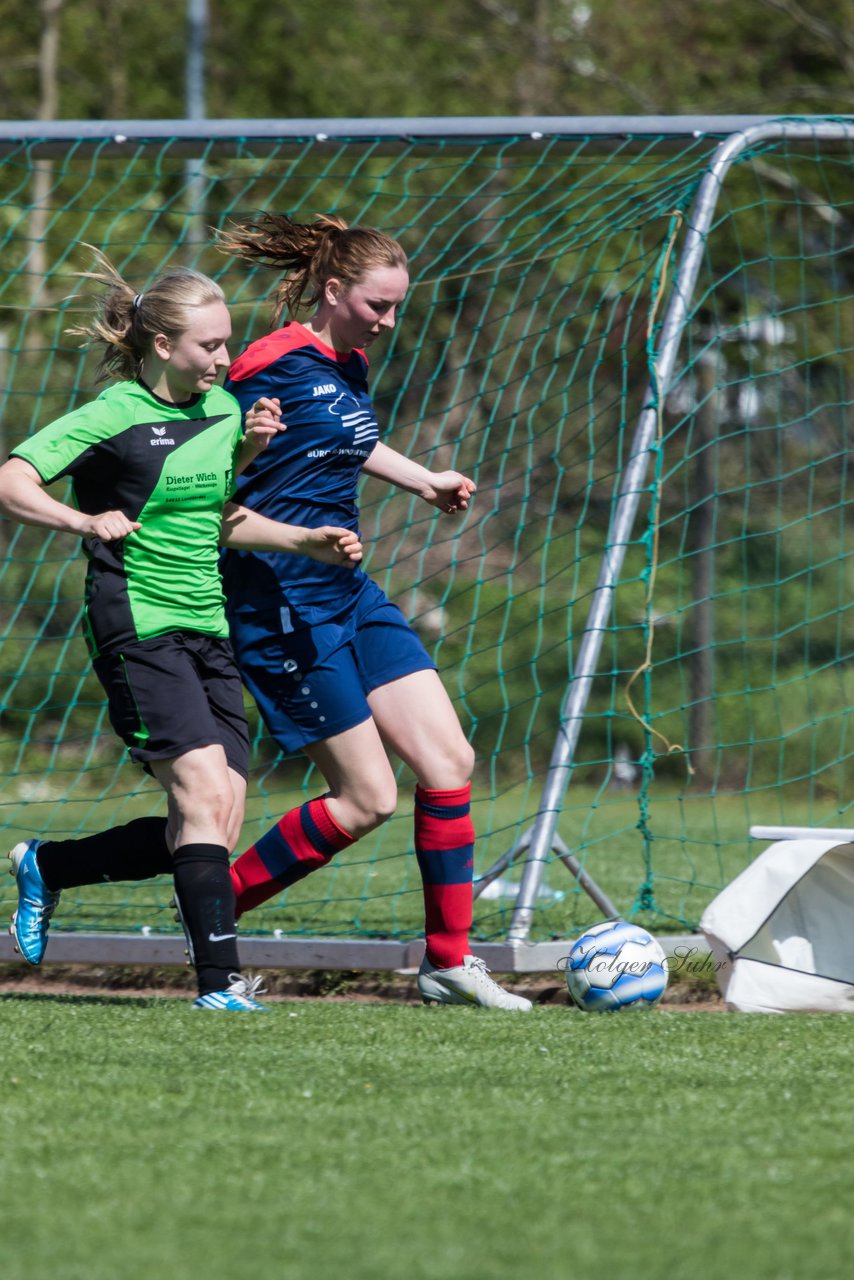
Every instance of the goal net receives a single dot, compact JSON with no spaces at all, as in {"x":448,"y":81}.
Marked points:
{"x":541,"y":269}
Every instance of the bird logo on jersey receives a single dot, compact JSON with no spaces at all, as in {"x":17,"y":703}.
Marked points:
{"x":355,"y":418}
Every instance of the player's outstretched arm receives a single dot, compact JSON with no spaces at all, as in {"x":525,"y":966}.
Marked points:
{"x":23,"y":497}
{"x":260,"y":424}
{"x":450,"y":491}
{"x":246,"y":530}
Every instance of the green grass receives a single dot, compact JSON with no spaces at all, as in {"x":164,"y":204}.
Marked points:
{"x":364,"y":1142}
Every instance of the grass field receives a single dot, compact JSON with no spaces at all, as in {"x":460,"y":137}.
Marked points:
{"x":358,"y":1141}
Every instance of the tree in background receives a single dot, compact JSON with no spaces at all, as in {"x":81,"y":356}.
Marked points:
{"x":380,"y":58}
{"x":400,"y":58}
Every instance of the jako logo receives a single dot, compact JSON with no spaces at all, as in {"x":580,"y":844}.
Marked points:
{"x":325,"y":389}
{"x":162,"y":438}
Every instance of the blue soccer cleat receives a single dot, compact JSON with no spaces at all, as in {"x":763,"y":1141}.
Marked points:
{"x":238,"y":997}
{"x":36,"y":903}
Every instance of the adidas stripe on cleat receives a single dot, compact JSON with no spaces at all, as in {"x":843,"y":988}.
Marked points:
{"x":36,"y":903}
{"x":238,"y":997}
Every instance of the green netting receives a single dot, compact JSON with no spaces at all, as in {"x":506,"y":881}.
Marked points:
{"x":540,"y":273}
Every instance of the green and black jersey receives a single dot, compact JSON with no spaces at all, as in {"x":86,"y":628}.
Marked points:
{"x":169,"y":466}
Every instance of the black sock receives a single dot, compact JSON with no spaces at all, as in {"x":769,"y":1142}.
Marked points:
{"x":205,"y":899}
{"x":136,"y":851}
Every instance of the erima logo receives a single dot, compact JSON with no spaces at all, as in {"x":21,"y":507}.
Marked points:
{"x":325,"y":389}
{"x":161,"y":437}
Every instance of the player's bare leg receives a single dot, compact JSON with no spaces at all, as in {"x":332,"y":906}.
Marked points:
{"x":362,"y":788}
{"x":205,"y":809}
{"x":361,"y":794}
{"x":416,"y":718}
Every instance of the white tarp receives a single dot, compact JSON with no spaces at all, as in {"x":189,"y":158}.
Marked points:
{"x":782,"y":932}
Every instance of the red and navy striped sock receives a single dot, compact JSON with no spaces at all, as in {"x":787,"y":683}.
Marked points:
{"x":301,"y":841}
{"x":444,"y":845}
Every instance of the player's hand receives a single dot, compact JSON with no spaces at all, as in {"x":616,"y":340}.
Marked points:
{"x":449,"y":491}
{"x":109,"y":526}
{"x":334,"y":546}
{"x":261,"y":423}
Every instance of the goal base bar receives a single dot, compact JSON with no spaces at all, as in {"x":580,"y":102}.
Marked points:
{"x":313,"y":953}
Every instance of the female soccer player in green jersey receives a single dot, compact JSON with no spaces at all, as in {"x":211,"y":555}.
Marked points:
{"x":152,"y":463}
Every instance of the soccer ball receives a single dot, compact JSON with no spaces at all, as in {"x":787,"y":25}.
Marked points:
{"x":615,"y":966}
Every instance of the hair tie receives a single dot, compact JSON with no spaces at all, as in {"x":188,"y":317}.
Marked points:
{"x":137,"y":301}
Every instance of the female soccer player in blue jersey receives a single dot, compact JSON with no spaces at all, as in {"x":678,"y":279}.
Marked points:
{"x":333,"y":665}
{"x":152,"y":462}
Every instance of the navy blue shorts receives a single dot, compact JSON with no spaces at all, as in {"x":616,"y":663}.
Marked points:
{"x":312,"y":682}
{"x":173,"y":693}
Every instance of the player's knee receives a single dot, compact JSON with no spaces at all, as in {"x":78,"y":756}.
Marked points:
{"x":450,"y":768}
{"x":463,"y":762}
{"x":211,"y":806}
{"x":233,"y":826}
{"x":372,"y":808}
{"x":385,"y":807}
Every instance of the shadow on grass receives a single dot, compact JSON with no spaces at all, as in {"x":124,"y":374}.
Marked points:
{"x":45,"y":997}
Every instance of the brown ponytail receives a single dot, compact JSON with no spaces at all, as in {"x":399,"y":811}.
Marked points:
{"x":309,"y":254}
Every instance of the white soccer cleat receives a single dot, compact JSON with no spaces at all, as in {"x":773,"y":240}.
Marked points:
{"x":466,"y":983}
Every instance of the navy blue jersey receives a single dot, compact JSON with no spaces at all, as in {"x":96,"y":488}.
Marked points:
{"x":308,"y":474}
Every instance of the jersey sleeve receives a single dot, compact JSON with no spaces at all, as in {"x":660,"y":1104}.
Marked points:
{"x":60,"y":448}
{"x":272,"y":381}
{"x":292,"y":379}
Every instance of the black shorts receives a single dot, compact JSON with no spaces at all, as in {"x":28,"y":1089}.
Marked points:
{"x":173,"y":693}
